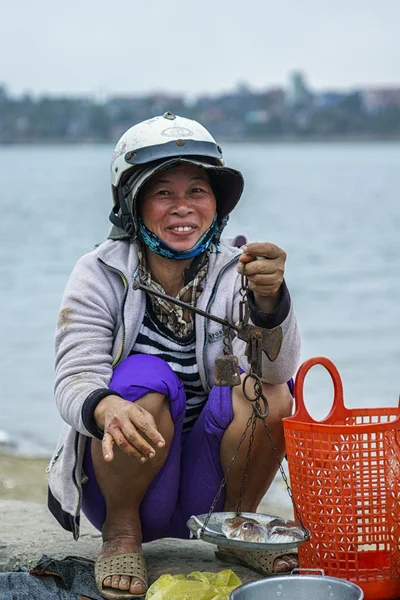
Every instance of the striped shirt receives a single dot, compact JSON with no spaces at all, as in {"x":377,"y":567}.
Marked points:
{"x":180,"y":353}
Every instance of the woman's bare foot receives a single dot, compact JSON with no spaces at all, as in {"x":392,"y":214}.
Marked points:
{"x":123,"y":545}
{"x":286,"y":563}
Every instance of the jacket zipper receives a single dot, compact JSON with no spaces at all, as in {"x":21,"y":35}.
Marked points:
{"x":118,"y":358}
{"x":211,"y":300}
{"x":54,"y":459}
{"x":79,"y":489}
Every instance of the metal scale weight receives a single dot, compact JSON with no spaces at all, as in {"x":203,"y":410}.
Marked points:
{"x":258,"y":340}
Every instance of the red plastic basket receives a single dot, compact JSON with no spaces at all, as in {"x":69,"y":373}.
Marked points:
{"x":345,"y":480}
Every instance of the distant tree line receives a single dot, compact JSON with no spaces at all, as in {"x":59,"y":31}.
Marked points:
{"x":239,"y":115}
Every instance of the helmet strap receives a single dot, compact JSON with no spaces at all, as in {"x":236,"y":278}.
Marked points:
{"x":158,"y":246}
{"x":120,"y":214}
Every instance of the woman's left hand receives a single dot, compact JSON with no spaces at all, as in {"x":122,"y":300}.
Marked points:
{"x":264,"y":267}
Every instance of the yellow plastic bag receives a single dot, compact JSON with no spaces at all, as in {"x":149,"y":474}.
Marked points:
{"x":195,"y":586}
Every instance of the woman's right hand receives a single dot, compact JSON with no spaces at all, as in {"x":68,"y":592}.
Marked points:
{"x":129,"y":426}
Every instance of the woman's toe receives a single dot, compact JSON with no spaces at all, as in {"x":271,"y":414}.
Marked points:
{"x":124,"y":583}
{"x":107,"y":581}
{"x":137,"y":587}
{"x":115,"y":581}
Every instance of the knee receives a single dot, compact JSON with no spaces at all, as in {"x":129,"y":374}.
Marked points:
{"x":280,"y":401}
{"x":157,"y":405}
{"x":278,"y":396}
{"x":140,"y":374}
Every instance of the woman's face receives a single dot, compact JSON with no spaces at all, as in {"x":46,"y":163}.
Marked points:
{"x":179,"y":205}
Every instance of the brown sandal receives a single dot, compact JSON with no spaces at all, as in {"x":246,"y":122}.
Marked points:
{"x":130,"y":565}
{"x":261,"y":561}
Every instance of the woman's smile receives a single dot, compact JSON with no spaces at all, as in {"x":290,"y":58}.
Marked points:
{"x":183,"y":231}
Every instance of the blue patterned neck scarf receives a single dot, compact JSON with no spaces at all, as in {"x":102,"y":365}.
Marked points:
{"x":156,"y":244}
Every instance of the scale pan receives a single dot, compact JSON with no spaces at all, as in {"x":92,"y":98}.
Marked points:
{"x":214,"y":535}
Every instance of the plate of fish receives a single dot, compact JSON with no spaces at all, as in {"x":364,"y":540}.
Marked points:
{"x":250,"y":531}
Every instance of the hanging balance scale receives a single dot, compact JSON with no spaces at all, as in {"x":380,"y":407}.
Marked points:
{"x":210,"y":527}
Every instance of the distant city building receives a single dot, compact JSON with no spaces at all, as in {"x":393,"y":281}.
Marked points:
{"x":255,"y":117}
{"x":328,"y":99}
{"x":297,"y":93}
{"x":376,"y":100}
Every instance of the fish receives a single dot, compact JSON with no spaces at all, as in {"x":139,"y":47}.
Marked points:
{"x":244,"y":529}
{"x":282,"y":531}
{"x":276,"y":531}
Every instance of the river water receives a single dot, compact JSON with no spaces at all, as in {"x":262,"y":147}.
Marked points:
{"x":334,"y":208}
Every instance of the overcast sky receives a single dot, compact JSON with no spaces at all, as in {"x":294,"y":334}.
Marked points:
{"x":114,"y":47}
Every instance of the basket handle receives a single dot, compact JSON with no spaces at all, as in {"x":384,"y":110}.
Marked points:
{"x":338,"y":407}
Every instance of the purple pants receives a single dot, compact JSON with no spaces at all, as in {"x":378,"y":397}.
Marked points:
{"x":191,"y":475}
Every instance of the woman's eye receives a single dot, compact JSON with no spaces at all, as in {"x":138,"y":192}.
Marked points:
{"x":197,"y":191}
{"x":163,"y":192}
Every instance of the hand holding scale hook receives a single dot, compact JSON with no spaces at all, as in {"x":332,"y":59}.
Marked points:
{"x":262,"y":269}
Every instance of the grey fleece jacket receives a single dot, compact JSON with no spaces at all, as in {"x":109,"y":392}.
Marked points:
{"x":99,"y":321}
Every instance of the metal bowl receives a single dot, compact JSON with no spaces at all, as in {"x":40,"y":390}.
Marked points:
{"x":298,"y":587}
{"x":213,"y":532}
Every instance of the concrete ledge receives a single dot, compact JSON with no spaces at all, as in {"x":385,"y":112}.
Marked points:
{"x":28,"y":530}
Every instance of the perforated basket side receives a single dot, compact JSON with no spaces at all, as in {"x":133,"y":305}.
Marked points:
{"x":345,"y":485}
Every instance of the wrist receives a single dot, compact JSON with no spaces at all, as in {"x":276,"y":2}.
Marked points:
{"x":105,"y":404}
{"x":268,"y":304}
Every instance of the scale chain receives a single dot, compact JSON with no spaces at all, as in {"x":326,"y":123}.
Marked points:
{"x":255,"y":373}
{"x":263,"y":416}
{"x":246,"y":468}
{"x":284,"y":477}
{"x":252,"y":421}
{"x":227,"y":341}
{"x":225,"y":478}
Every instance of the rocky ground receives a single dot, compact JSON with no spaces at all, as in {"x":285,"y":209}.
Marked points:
{"x":28,"y":531}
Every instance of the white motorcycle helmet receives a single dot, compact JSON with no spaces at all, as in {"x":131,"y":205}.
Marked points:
{"x":162,"y":142}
